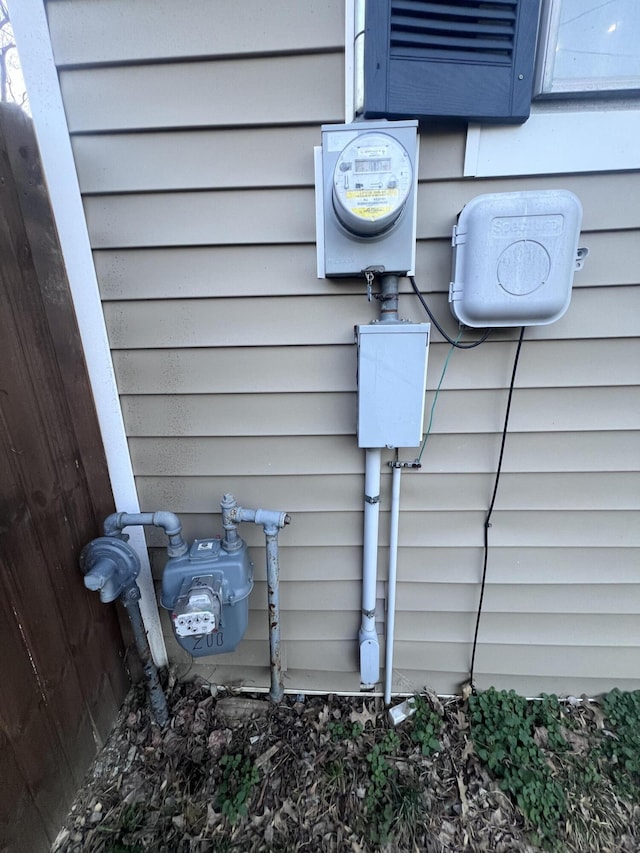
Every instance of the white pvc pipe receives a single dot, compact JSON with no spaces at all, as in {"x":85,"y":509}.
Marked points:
{"x":391,"y":581}
{"x":369,"y":645}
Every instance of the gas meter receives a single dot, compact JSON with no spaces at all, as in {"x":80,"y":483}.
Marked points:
{"x":366,"y":189}
{"x":206,"y":592}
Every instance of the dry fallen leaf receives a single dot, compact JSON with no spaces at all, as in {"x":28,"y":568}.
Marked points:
{"x":462,"y":790}
{"x":267,"y":756}
{"x":323,"y":719}
{"x":363,"y":717}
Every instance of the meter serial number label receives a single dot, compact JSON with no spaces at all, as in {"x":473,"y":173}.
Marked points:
{"x":372,"y":212}
{"x":371,"y":204}
{"x":372,"y":150}
{"x":372,"y":194}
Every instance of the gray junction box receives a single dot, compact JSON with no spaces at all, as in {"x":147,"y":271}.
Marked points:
{"x":514,"y":258}
{"x":392,"y":375}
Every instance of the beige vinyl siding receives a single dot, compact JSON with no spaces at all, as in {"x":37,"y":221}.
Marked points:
{"x":204,"y":370}
{"x":598,"y":528}
{"x":161,"y":273}
{"x":301,"y":455}
{"x":510,"y":566}
{"x":235,"y":92}
{"x":333,"y":414}
{"x":447,"y":491}
{"x":295,"y":321}
{"x":133,"y":220}
{"x":85,"y":32}
{"x":236,"y":366}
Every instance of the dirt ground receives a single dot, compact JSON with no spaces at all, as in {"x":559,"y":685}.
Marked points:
{"x":315,"y":773}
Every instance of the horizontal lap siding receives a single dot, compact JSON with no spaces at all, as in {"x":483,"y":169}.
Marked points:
{"x":236,"y":366}
{"x":273,"y":321}
{"x":188,"y":272}
{"x":245,"y":216}
{"x":86,"y":32}
{"x":206,"y":370}
{"x":461,"y":453}
{"x":207,"y":93}
{"x":334,"y":414}
{"x":447,"y":491}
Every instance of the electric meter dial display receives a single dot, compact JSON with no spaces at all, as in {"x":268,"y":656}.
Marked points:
{"x":371,"y":182}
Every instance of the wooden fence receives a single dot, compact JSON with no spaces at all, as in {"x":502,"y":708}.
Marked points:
{"x":62,"y":678}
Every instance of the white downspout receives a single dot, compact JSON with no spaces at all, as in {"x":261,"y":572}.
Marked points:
{"x":391,"y":581}
{"x":369,"y":645}
{"x":29,"y":21}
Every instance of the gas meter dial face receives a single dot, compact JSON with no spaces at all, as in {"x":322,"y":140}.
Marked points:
{"x":371,"y":181}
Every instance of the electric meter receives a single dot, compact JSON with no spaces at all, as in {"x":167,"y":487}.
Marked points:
{"x":371,"y":183}
{"x":366,"y":189}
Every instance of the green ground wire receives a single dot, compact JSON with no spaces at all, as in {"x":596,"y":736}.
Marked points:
{"x":435,"y":399}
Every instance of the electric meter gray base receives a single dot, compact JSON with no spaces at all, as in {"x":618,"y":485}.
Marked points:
{"x":366,"y":191}
{"x":514,"y":258}
{"x":206,"y":592}
{"x":392,"y":374}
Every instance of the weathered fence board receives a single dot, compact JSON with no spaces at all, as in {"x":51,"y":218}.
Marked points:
{"x":61,"y":666}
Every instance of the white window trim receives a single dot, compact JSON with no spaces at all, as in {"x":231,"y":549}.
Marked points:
{"x":555,"y":142}
{"x":565,"y":136}
{"x":31,"y":30}
{"x":353,"y":56}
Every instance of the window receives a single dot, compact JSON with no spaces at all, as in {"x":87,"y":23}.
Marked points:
{"x":585,"y":116}
{"x":585,"y":113}
{"x":588,"y":47}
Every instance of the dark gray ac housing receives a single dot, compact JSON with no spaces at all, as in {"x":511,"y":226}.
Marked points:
{"x":471,"y":59}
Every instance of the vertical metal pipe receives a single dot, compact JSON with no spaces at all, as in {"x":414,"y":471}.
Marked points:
{"x":391,"y":583}
{"x":369,"y":645}
{"x":389,"y":298}
{"x":130,"y":598}
{"x":273,"y":591}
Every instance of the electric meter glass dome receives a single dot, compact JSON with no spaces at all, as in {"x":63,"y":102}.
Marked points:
{"x":371,"y":182}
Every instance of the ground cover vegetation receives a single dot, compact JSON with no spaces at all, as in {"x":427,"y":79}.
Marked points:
{"x":235,"y":773}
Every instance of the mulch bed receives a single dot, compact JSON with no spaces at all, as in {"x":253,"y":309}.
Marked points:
{"x":311,"y":785}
